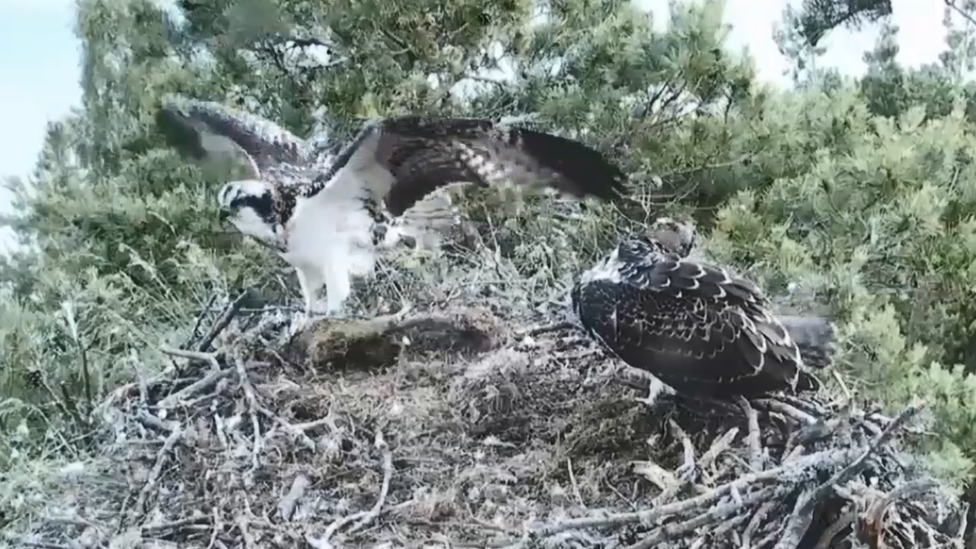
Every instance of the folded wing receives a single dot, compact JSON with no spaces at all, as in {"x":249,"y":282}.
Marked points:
{"x":694,"y":326}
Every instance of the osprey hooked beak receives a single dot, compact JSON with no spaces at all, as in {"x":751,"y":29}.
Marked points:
{"x":223,"y":215}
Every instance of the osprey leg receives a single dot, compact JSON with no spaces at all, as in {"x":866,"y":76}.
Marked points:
{"x":309,"y":280}
{"x":337,"y":288}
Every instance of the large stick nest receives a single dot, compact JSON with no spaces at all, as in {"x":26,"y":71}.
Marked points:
{"x":453,"y":428}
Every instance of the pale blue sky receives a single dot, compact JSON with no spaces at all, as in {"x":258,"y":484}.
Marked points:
{"x":39,"y":63}
{"x":39,"y":67}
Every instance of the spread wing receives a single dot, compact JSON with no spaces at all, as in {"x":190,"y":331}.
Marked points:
{"x":204,"y":128}
{"x":402,"y":160}
{"x":692,"y":325}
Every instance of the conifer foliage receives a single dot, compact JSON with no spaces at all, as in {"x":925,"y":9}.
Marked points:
{"x":852,"y":197}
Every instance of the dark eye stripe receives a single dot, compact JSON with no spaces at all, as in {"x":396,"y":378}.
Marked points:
{"x":262,"y":205}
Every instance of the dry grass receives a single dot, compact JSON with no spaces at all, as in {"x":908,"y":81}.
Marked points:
{"x":514,"y":441}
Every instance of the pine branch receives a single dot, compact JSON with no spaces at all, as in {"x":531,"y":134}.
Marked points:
{"x":822,"y":16}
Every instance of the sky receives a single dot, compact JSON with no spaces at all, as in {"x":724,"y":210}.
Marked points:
{"x":38,"y":75}
{"x":39,"y":67}
{"x":921,"y":35}
{"x":42,"y":85}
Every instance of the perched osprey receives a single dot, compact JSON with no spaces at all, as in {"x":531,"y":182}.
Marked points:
{"x":699,"y":330}
{"x":327,"y":208}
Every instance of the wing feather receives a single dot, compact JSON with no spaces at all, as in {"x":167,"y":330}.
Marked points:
{"x":419,"y":156}
{"x":264,"y":142}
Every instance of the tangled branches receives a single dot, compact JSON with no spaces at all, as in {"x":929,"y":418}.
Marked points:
{"x":774,"y":507}
{"x":506,"y":441}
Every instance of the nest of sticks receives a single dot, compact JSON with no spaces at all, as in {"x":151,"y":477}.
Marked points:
{"x":527,"y":437}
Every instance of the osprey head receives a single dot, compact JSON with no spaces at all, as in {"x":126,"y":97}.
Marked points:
{"x":249,"y":205}
{"x":677,"y":237}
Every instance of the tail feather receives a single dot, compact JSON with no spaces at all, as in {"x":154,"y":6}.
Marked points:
{"x":814,"y":335}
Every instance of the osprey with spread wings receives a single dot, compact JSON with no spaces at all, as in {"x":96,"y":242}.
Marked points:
{"x":327,"y":207}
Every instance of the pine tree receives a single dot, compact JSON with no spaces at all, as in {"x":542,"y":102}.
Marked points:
{"x":816,"y":18}
{"x":857,"y":193}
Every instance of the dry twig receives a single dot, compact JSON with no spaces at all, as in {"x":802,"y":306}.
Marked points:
{"x":363,"y":518}
{"x":253,"y":408}
{"x":176,"y":432}
{"x":718,"y":486}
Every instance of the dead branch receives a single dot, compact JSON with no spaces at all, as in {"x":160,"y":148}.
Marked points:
{"x":253,"y":408}
{"x":221,"y":324}
{"x":719,"y":513}
{"x":176,"y":431}
{"x":192,"y":355}
{"x":872,"y":525}
{"x":755,"y":446}
{"x":485,"y":444}
{"x":195,"y":387}
{"x":793,"y":469}
{"x":363,"y":517}
{"x":803,"y":512}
